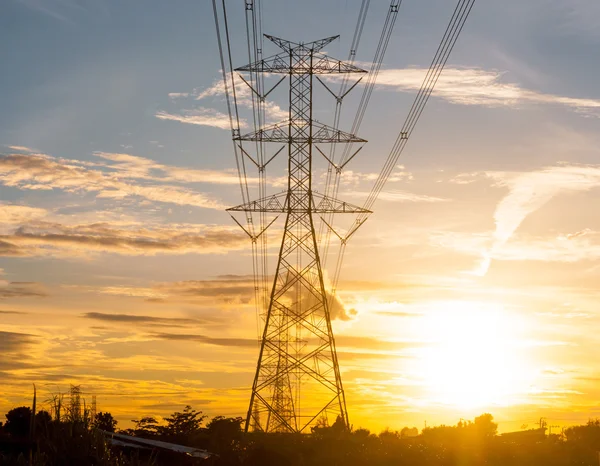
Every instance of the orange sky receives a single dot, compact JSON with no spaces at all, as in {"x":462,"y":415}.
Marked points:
{"x":473,"y":287}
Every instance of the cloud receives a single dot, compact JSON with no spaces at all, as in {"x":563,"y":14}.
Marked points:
{"x":472,"y":86}
{"x":577,"y":234}
{"x":144,"y":319}
{"x":233,"y":289}
{"x":580,"y":246}
{"x":44,"y":8}
{"x":244,"y":94}
{"x":396,"y":314}
{"x":352,"y":178}
{"x":374,"y":344}
{"x":21,"y":290}
{"x":43,"y":172}
{"x":338,"y":309}
{"x":16,"y":214}
{"x":22,"y":149}
{"x":232,"y":342}
{"x":343,"y":341}
{"x":207,"y":116}
{"x":200,"y":116}
{"x":229,"y":289}
{"x":397,"y":196}
{"x":12,"y":342}
{"x":240,"y":289}
{"x":528,"y":192}
{"x":53,"y":239}
{"x":136,"y":167}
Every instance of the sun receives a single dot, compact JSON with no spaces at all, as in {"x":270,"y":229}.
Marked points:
{"x":471,"y":356}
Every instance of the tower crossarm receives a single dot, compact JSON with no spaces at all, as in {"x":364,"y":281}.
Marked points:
{"x":279,"y":132}
{"x":278,"y":203}
{"x":280,"y":63}
{"x":288,"y":45}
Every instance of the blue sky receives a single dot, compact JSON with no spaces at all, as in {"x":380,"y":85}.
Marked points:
{"x":115,"y":173}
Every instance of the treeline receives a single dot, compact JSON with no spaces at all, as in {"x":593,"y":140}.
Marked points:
{"x":44,"y":441}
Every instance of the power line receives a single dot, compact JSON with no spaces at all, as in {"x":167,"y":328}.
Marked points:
{"x":384,"y":39}
{"x":234,"y":120}
{"x":446,"y":46}
{"x":386,"y":32}
{"x":453,"y":30}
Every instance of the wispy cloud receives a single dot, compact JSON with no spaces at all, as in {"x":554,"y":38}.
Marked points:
{"x":12,"y":342}
{"x":472,"y":86}
{"x":215,"y":94}
{"x":233,"y":289}
{"x":397,"y":196}
{"x":273,"y":112}
{"x":200,"y":116}
{"x":43,"y":172}
{"x":529,"y":191}
{"x":41,"y":238}
{"x":354,"y":178}
{"x":146,"y":320}
{"x":66,"y":10}
{"x":22,"y":149}
{"x":21,"y":290}
{"x":45,"y":8}
{"x":12,"y":214}
{"x":235,"y":342}
{"x":229,"y":290}
{"x":568,"y":248}
{"x":136,"y":167}
{"x":573,"y":247}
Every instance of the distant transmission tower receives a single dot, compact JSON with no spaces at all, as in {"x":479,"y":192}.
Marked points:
{"x":297,"y":381}
{"x":75,"y":403}
{"x":93,"y":409}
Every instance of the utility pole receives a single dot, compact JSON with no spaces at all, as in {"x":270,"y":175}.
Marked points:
{"x":297,"y":382}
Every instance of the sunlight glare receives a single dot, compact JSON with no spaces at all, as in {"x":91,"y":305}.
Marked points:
{"x":472,"y":357}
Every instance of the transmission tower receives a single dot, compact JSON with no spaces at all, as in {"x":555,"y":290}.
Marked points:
{"x":93,"y":409}
{"x":75,"y":403}
{"x":297,"y":381}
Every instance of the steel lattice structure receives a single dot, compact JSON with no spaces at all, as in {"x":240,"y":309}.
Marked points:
{"x":297,"y":381}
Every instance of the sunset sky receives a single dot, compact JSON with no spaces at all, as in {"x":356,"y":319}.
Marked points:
{"x":473,"y":288}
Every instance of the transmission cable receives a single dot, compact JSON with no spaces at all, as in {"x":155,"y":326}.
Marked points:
{"x":234,"y":120}
{"x":455,"y":26}
{"x":332,"y":187}
{"x":362,"y":16}
{"x":446,"y":46}
{"x":254,"y":46}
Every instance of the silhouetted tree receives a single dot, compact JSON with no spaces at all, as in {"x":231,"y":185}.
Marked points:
{"x":362,"y":432}
{"x":42,"y":422}
{"x":587,"y":435}
{"x":182,"y":426}
{"x":484,"y":425}
{"x":18,"y":421}
{"x":409,"y":432}
{"x":105,"y":421}
{"x":223,"y":436}
{"x":322,"y":428}
{"x":145,"y":427}
{"x":225,"y":427}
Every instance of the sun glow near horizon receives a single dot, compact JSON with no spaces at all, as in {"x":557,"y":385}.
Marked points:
{"x":472,"y":358}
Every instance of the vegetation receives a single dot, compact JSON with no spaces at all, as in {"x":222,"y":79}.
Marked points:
{"x":64,"y":441}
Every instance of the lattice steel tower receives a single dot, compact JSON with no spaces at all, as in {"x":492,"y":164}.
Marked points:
{"x":297,"y":382}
